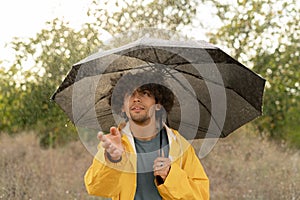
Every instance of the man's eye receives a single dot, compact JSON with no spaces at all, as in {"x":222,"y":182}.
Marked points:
{"x":146,"y":93}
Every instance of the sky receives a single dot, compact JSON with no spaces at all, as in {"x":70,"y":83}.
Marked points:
{"x":19,"y":18}
{"x":25,"y":18}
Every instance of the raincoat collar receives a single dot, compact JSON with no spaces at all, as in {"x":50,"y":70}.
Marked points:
{"x":176,"y":147}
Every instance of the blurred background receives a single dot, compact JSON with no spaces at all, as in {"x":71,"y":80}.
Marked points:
{"x":41,"y":155}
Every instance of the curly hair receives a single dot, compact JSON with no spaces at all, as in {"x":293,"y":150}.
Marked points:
{"x":148,"y":80}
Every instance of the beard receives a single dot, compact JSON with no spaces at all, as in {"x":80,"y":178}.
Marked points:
{"x":140,"y":118}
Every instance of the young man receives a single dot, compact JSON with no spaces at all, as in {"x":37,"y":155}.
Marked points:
{"x":144,"y":158}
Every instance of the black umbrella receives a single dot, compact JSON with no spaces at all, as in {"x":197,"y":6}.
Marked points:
{"x":215,"y":94}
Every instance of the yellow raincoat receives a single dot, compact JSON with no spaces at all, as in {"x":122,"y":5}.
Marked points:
{"x":186,"y":179}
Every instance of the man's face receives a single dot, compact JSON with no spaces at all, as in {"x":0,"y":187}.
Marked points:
{"x":140,"y":107}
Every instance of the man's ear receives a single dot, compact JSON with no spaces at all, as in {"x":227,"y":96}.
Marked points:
{"x":157,"y":107}
{"x":123,"y":113}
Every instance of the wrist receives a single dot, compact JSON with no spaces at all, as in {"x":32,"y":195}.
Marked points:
{"x":113,"y":159}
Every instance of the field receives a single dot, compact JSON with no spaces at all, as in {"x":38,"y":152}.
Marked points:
{"x":242,"y":166}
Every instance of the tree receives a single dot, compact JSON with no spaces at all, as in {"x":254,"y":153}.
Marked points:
{"x":138,"y":14}
{"x":265,"y":36}
{"x":53,"y":51}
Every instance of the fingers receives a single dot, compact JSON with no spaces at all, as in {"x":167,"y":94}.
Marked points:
{"x":161,"y":163}
{"x":105,"y":142}
{"x":107,"y":138}
{"x":162,"y":174}
{"x":162,"y":170}
{"x":109,"y":147}
{"x":162,"y":167}
{"x":100,"y":135}
{"x":111,"y":142}
{"x":114,"y":131}
{"x":112,"y":150}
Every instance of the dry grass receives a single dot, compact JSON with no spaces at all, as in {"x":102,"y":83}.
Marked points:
{"x":245,"y":166}
{"x":239,"y":167}
{"x":29,"y":172}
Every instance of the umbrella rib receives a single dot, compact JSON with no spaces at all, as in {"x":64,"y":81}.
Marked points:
{"x":124,"y":70}
{"x":87,"y":110}
{"x":214,"y":82}
{"x":173,"y":55}
{"x":168,"y":59}
{"x":200,"y":77}
{"x":155,"y":53}
{"x":167,"y":70}
{"x":191,"y":93}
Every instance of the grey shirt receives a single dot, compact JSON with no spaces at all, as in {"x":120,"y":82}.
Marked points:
{"x":147,"y":152}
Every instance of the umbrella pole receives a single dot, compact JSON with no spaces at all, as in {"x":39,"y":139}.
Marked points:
{"x":159,"y":178}
{"x":160,"y":136}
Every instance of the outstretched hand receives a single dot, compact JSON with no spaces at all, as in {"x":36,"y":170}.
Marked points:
{"x":112,"y":143}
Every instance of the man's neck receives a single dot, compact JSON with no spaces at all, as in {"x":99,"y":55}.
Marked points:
{"x":144,"y":132}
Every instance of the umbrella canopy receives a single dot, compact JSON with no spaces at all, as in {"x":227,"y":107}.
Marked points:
{"x":215,"y":94}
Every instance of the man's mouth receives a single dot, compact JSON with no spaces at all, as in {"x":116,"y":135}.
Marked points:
{"x":137,"y":108}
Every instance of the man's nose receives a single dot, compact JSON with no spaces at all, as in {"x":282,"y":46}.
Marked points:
{"x":136,"y":97}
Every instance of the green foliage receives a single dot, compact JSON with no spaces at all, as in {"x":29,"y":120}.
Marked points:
{"x":60,"y":48}
{"x":137,"y":14}
{"x":8,"y":95}
{"x":265,"y":36}
{"x":292,"y":128}
{"x":42,"y":62}
{"x":27,"y":104}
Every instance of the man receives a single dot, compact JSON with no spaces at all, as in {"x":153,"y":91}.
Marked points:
{"x":144,"y":158}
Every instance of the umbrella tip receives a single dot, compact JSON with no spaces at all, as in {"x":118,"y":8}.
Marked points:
{"x":51,"y":99}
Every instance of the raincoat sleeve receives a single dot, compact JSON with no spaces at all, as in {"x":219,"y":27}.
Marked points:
{"x":186,"y":182}
{"x":103,"y":177}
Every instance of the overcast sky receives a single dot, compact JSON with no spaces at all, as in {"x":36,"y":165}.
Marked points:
{"x":24,"y":18}
{"x":19,"y":18}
